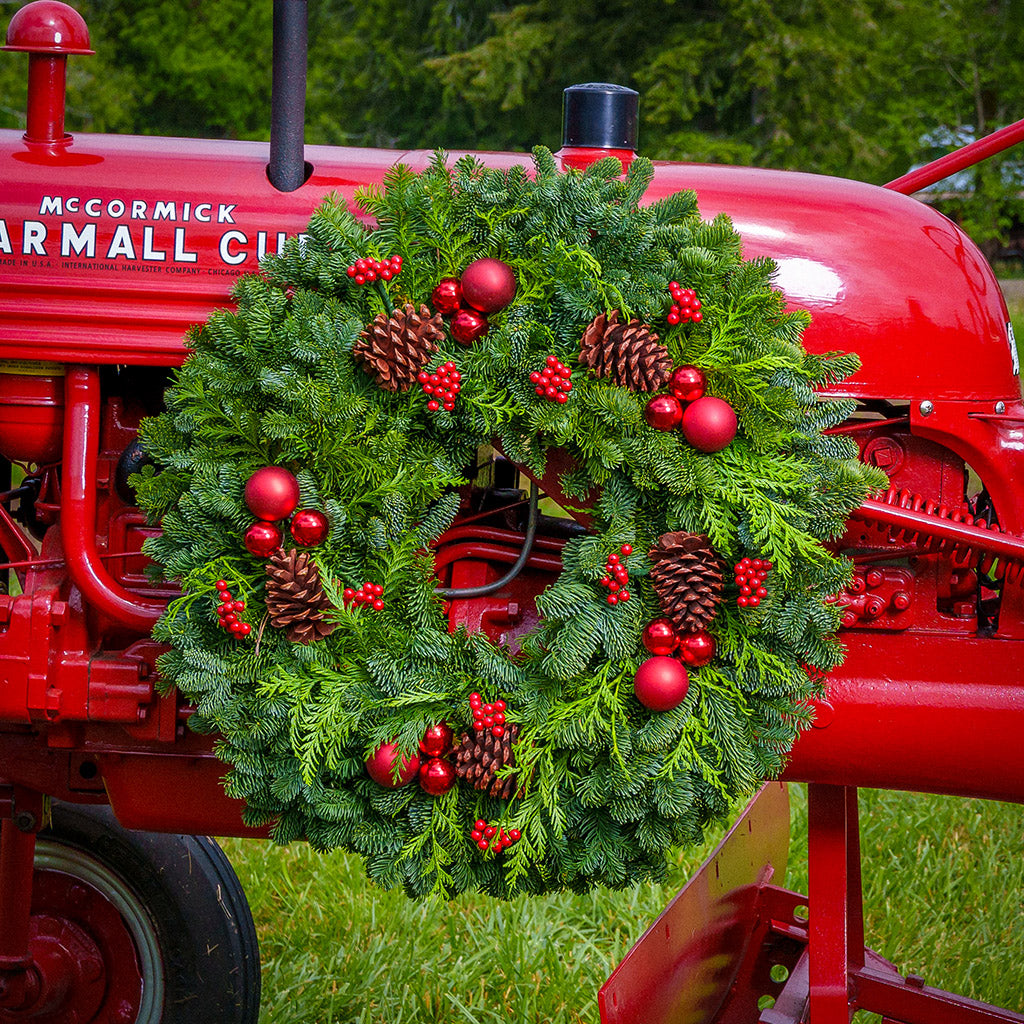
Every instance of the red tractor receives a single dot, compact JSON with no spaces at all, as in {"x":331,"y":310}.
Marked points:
{"x":111,"y":247}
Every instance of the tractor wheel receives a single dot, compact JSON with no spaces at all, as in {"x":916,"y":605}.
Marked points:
{"x":139,"y":927}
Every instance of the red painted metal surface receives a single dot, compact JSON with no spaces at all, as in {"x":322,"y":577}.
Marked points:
{"x":699,"y":961}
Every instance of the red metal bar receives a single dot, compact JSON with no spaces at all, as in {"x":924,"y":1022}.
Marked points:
{"x":992,"y":542}
{"x":966,"y":156}
{"x":828,"y":858}
{"x":18,"y":983}
{"x":47,"y":79}
{"x":78,"y":508}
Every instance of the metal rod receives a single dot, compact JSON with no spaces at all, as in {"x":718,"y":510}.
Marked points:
{"x":287,"y":167}
{"x":78,"y":508}
{"x":452,"y":593}
{"x":966,"y":156}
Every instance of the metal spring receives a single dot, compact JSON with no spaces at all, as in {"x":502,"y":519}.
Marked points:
{"x":961,"y":554}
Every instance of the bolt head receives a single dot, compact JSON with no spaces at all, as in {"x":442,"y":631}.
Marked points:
{"x":926,"y":408}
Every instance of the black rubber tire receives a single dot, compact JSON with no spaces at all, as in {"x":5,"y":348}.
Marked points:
{"x":186,"y":903}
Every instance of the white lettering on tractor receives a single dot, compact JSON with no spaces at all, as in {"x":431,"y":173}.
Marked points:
{"x":33,"y":238}
{"x":181,"y":255}
{"x":121,"y":244}
{"x":148,"y":250}
{"x":81,"y":243}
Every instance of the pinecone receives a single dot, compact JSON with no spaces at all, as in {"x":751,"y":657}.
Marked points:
{"x":393,"y":349}
{"x":630,"y":354}
{"x":296,"y":601}
{"x":479,"y":755}
{"x":687,"y":577}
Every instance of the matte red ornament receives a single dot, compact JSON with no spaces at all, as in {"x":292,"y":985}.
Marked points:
{"x":661,"y":683}
{"x":659,"y":637}
{"x":488,"y":285}
{"x":447,"y":296}
{"x":381,"y":767}
{"x":663,"y":412}
{"x":437,"y":740}
{"x":687,"y":383}
{"x":263,"y":539}
{"x":309,"y":526}
{"x":697,"y":649}
{"x":468,"y":326}
{"x":272,"y":493}
{"x":436,"y":776}
{"x":709,"y":424}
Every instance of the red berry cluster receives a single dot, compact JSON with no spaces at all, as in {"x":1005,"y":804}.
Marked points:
{"x":553,"y":381}
{"x":750,"y":576}
{"x":686,"y":305}
{"x":444,"y":383}
{"x":617,"y":577}
{"x":365,"y":271}
{"x":491,"y":837}
{"x":368,"y":593}
{"x":226,"y":610}
{"x":488,"y":716}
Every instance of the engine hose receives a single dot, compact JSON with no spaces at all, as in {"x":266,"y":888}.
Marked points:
{"x":453,"y":593}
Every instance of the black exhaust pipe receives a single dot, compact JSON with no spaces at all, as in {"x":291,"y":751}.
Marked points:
{"x":287,"y":168}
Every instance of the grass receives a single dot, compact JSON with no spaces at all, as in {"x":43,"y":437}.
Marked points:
{"x":944,"y":891}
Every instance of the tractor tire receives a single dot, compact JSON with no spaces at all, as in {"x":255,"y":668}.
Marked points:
{"x":167,"y":932}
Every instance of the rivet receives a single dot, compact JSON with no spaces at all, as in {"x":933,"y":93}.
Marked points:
{"x":926,"y":408}
{"x":1000,"y":407}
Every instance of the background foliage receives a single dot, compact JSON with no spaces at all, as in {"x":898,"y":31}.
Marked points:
{"x":855,"y":89}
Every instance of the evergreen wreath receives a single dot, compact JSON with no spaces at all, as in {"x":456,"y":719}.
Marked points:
{"x":319,"y":373}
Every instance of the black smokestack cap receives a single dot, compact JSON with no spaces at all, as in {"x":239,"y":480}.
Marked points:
{"x":598,"y":115}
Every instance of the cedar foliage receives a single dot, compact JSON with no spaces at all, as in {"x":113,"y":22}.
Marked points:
{"x":608,"y":785}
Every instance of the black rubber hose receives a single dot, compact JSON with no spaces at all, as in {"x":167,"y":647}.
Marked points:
{"x":451,"y":593}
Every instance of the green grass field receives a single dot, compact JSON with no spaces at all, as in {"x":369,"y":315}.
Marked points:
{"x":944,"y":888}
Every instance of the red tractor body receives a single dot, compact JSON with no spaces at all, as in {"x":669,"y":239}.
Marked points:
{"x":112,"y":247}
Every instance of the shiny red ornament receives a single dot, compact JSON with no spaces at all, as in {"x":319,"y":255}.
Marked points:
{"x":468,"y":326}
{"x":661,"y":683}
{"x":437,"y":740}
{"x":697,"y":649}
{"x":436,"y":776}
{"x":262,"y":539}
{"x":272,"y":493}
{"x":663,"y":412}
{"x":687,"y":383}
{"x":447,"y":296}
{"x":488,"y":285}
{"x":309,"y":527}
{"x":709,"y":424}
{"x":381,"y":767}
{"x":659,"y":637}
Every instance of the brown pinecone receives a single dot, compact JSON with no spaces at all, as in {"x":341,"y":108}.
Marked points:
{"x":479,"y":755}
{"x":630,"y":354}
{"x":296,"y":601}
{"x":393,"y":349}
{"x":687,"y":577}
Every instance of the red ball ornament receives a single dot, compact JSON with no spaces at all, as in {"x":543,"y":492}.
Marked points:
{"x":272,"y":493}
{"x":663,"y":412}
{"x":697,"y":649}
{"x":687,"y":383}
{"x":262,"y":539}
{"x":661,"y":683}
{"x":436,"y":776}
{"x":468,"y":326}
{"x":381,"y":767}
{"x":659,"y":637}
{"x":437,"y":740}
{"x":447,"y":296}
{"x":309,"y":527}
{"x":488,"y":285}
{"x":709,"y":424}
